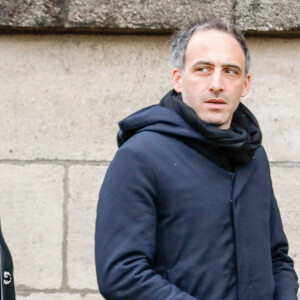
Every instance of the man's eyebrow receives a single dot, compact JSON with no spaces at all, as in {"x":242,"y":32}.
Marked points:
{"x":203,"y":62}
{"x":232,"y":66}
{"x":208,"y":63}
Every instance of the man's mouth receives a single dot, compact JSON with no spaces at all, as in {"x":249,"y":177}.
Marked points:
{"x":215,"y":103}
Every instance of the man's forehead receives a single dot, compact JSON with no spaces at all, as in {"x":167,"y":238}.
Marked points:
{"x":214,"y":44}
{"x":212,"y":36}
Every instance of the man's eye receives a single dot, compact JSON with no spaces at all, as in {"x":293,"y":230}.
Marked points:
{"x":231,"y":72}
{"x":203,"y":70}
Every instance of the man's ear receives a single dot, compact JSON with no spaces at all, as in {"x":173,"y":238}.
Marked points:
{"x":177,"y":80}
{"x":246,"y":86}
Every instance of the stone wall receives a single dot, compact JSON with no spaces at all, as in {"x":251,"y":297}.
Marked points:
{"x":62,"y":96}
{"x":263,"y":16}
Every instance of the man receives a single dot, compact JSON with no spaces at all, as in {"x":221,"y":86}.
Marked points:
{"x":187,"y":210}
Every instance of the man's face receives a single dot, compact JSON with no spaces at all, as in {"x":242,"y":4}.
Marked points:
{"x":213,"y":79}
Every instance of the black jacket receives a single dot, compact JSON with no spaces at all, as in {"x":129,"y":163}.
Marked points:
{"x":172,"y":225}
{"x":7,"y":290}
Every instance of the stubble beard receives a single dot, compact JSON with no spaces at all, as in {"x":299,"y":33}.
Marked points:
{"x":213,"y":117}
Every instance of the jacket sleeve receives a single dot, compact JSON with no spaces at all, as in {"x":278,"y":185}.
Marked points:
{"x":285,"y":277}
{"x":7,"y":291}
{"x":126,"y":233}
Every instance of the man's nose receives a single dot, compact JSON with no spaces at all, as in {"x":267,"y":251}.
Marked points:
{"x":216,"y":84}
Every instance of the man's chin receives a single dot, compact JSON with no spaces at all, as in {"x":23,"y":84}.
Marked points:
{"x":223,"y":126}
{"x":221,"y":123}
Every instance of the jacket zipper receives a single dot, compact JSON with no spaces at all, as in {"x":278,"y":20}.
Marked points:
{"x":232,"y":185}
{"x":233,"y":225}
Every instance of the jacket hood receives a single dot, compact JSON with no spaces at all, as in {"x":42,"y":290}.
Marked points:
{"x":227,"y":148}
{"x":158,"y":119}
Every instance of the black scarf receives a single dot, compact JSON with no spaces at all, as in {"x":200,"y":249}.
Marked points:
{"x":227,"y":148}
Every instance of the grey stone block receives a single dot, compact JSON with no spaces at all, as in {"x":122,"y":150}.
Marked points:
{"x":143,"y":15}
{"x":31,"y":13}
{"x":84,"y":186}
{"x":286,"y":184}
{"x":32,"y":221}
{"x":147,"y":16}
{"x":274,"y":95}
{"x":268,"y":15}
{"x":62,"y":96}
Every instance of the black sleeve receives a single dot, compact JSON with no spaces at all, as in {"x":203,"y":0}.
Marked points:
{"x":7,"y":289}
{"x":285,"y":277}
{"x":126,"y":233}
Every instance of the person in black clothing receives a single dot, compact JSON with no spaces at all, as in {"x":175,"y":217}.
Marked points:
{"x":7,"y":289}
{"x":187,"y":210}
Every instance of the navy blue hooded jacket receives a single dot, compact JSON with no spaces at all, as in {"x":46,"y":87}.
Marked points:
{"x":172,"y":225}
